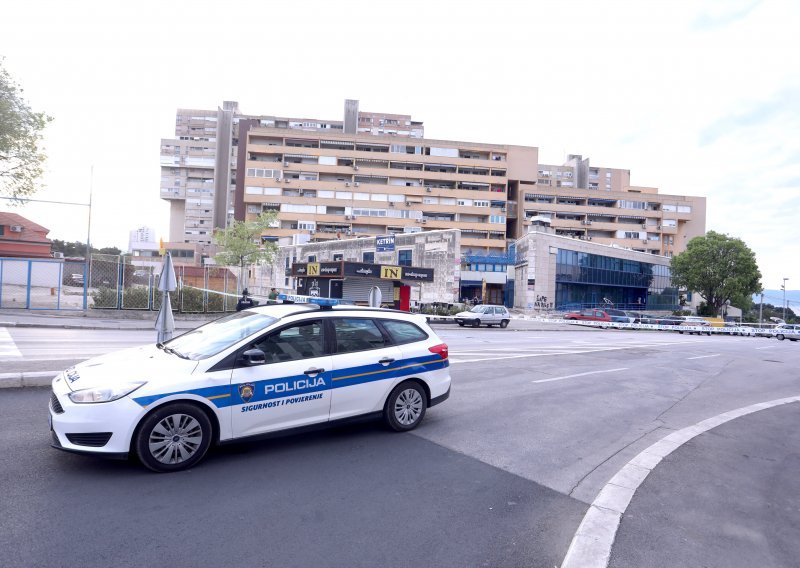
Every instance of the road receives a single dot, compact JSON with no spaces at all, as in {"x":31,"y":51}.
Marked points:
{"x":499,"y":475}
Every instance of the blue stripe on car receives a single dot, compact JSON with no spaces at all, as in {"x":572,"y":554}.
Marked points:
{"x":228,"y":395}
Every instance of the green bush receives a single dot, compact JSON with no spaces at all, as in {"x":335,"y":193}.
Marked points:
{"x":135,"y":298}
{"x":192,"y":300}
{"x":104,"y":297}
{"x":440,"y":309}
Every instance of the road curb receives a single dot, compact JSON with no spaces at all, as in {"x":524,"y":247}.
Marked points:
{"x":593,"y":541}
{"x":24,"y":379}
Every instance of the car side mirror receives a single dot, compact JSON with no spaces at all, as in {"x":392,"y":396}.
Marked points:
{"x":253,"y":357}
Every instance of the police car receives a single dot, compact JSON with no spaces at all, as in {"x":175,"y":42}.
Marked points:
{"x":250,"y":374}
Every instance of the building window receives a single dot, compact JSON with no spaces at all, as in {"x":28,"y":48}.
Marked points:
{"x":338,"y":256}
{"x":312,"y":258}
{"x":368,"y":257}
{"x":404,"y":258}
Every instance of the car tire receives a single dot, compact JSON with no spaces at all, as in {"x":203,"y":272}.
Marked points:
{"x":476,"y":323}
{"x":189,"y":429}
{"x":780,"y":337}
{"x":504,"y":324}
{"x":460,"y":324}
{"x":405,"y":407}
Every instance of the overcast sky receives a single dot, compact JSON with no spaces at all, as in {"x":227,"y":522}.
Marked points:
{"x":695,"y":97}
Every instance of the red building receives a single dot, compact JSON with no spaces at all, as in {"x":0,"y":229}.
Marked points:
{"x":20,"y":237}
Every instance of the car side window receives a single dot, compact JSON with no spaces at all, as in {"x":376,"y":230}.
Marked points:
{"x":403,"y":331}
{"x":302,"y":340}
{"x":357,"y":334}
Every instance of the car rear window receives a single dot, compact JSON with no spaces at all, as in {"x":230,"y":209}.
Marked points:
{"x":403,"y":331}
{"x":357,"y":334}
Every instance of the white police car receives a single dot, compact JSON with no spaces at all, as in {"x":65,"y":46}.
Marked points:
{"x":256,"y":372}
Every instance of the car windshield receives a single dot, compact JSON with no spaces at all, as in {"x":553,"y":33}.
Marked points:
{"x":218,"y":335}
{"x":478,"y":309}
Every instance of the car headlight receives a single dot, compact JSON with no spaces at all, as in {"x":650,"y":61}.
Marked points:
{"x":103,"y":394}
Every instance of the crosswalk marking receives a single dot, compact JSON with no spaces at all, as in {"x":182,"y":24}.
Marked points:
{"x":8,"y":349}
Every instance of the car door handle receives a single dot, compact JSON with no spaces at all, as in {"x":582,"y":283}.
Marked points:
{"x":386,"y":361}
{"x":313,"y":371}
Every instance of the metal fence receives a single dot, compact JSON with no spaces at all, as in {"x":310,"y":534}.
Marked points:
{"x":41,"y":284}
{"x":112,"y":282}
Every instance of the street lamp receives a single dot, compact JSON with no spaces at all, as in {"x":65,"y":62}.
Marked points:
{"x":783,"y":287}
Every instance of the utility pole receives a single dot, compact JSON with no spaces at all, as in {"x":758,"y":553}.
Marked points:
{"x":783,"y":287}
{"x":761,"y":310}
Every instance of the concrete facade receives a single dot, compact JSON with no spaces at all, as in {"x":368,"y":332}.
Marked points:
{"x":437,"y":250}
{"x":198,"y":164}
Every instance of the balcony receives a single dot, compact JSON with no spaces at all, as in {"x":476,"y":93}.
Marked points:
{"x":173,"y":193}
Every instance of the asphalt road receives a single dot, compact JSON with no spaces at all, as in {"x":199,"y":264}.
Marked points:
{"x":499,"y":475}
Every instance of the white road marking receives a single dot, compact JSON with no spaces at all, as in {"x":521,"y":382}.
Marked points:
{"x":8,"y":349}
{"x":704,"y":356}
{"x":592,"y":543}
{"x":580,"y":375}
{"x":767,"y":347}
{"x":573,"y":350}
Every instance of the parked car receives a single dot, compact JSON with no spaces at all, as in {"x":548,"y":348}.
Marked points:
{"x":695,"y":321}
{"x":669,"y":320}
{"x":787,"y":331}
{"x":484,"y":314}
{"x":619,"y":316}
{"x":257,"y":372}
{"x":588,"y":315}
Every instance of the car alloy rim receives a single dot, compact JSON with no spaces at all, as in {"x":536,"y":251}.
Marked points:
{"x":175,"y":439}
{"x":408,"y":407}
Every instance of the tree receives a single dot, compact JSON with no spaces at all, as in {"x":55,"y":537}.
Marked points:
{"x":77,"y":248}
{"x":719,"y":267}
{"x":241,"y":243}
{"x":21,"y":157}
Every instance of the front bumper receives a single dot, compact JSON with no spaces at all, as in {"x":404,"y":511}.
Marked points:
{"x":98,"y":429}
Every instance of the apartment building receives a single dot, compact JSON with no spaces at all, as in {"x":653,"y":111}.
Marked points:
{"x":375,"y":173}
{"x":199,"y":165}
{"x":598,"y":204}
{"x":331,"y":185}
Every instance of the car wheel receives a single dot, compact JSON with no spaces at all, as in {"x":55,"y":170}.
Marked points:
{"x":460,"y":324}
{"x":174,"y":437}
{"x":405,"y":407}
{"x":679,"y":331}
{"x":476,"y":323}
{"x":780,"y":336}
{"x":504,"y":324}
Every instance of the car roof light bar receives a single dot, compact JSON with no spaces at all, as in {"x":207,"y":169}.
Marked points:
{"x":323,"y":303}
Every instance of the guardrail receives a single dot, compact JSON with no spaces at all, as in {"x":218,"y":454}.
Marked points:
{"x":725,"y":330}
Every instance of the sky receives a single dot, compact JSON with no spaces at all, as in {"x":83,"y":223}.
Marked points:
{"x":693,"y":97}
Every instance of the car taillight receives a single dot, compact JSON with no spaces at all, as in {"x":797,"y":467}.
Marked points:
{"x":440,"y":350}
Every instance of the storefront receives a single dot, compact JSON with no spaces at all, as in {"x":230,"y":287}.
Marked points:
{"x":354,"y":280}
